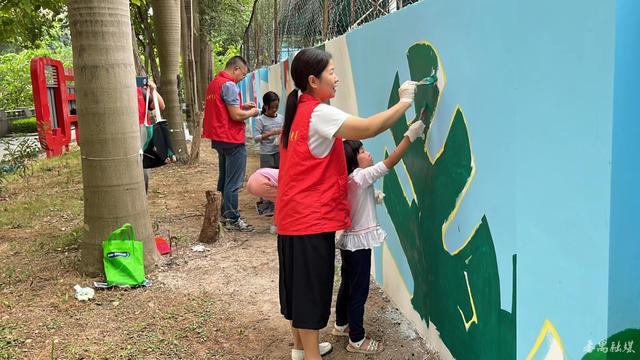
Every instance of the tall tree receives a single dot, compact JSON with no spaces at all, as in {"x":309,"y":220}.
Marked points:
{"x":26,"y":22}
{"x":205,"y":67}
{"x":107,"y":111}
{"x":145,"y":35}
{"x":188,"y":62}
{"x":166,"y":15}
{"x":140,"y":71}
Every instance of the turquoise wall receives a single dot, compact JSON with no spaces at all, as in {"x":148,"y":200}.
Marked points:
{"x":548,"y":90}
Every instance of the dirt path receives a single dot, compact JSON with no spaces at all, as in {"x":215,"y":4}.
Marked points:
{"x":218,"y":304}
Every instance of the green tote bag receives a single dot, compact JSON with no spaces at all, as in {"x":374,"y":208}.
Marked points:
{"x":123,"y":258}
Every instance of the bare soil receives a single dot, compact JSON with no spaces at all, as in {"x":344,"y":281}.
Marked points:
{"x":221,"y":303}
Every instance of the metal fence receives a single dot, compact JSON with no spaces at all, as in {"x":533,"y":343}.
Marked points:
{"x":278,"y":28}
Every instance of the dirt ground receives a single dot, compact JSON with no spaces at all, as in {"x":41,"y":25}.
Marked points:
{"x":218,"y":304}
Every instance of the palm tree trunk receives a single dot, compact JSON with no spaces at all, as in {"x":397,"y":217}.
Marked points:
{"x":166,"y":15}
{"x":107,"y":111}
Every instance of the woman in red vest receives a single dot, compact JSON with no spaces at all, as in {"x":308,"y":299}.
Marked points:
{"x":312,"y":193}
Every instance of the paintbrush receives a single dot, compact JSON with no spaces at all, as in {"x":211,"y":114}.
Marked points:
{"x":429,"y":80}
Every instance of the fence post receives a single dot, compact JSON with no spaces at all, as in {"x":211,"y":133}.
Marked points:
{"x":276,"y":33}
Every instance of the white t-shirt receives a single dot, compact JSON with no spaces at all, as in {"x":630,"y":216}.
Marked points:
{"x":325,"y":122}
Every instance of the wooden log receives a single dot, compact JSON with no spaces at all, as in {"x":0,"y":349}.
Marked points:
{"x":210,"y":228}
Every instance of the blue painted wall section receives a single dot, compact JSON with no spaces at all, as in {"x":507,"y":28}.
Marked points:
{"x":549,"y":92}
{"x":624,"y":257}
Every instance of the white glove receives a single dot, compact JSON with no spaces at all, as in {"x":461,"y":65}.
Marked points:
{"x":379,"y":196}
{"x":407,"y":91}
{"x":415,"y":130}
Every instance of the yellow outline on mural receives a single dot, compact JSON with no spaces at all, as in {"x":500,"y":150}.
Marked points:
{"x":474,"y":317}
{"x":442,"y":75}
{"x":546,"y":328}
{"x":463,"y":193}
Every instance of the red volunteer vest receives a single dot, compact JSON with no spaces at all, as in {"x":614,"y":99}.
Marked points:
{"x":141,"y":106}
{"x":217,"y":123}
{"x":312,"y":192}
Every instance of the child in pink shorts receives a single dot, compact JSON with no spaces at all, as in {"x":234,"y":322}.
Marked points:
{"x":264,"y":183}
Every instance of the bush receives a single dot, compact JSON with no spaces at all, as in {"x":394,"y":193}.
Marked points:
{"x":23,"y":126}
{"x":15,"y":74}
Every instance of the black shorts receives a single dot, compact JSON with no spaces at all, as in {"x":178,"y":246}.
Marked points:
{"x":306,"y":278}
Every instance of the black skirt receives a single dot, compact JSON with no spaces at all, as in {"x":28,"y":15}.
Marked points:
{"x":306,"y":278}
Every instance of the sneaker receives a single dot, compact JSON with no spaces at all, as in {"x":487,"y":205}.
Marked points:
{"x":268,"y":212}
{"x":324,"y":348}
{"x":239,"y":225}
{"x":340,"y":330}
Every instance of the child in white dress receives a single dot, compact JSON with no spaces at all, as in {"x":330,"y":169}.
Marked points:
{"x":365,"y":233}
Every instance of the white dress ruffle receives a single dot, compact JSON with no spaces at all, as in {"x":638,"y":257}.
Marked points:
{"x":362,"y":239}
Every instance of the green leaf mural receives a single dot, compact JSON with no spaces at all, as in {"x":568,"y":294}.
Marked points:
{"x":457,"y":291}
{"x":624,"y":345}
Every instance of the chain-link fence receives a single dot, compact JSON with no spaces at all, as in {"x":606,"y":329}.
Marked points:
{"x":279,"y":27}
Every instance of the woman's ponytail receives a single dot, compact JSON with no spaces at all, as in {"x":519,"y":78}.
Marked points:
{"x":289,"y":115}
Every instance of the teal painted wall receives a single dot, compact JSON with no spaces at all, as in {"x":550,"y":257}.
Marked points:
{"x":548,"y":91}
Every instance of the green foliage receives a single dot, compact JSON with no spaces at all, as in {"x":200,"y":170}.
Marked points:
{"x":15,"y":75}
{"x":35,"y":28}
{"x":23,"y":126}
{"x":225,"y":21}
{"x":222,"y":56}
{"x":17,"y":157}
{"x":458,"y":291}
{"x":25,"y":23}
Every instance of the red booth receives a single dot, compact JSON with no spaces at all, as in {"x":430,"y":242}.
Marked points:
{"x":54,"y":100}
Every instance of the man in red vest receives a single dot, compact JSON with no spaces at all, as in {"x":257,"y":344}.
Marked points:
{"x":224,"y":116}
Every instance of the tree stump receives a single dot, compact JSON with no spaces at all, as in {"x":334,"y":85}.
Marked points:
{"x":210,"y":229}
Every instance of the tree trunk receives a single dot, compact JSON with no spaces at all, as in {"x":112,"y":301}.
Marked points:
{"x":325,"y":20}
{"x":112,"y":178}
{"x":167,"y":24}
{"x":149,"y":48}
{"x":185,"y":50}
{"x":210,"y":227}
{"x":136,"y":55}
{"x":256,"y":31}
{"x":204,"y":68}
{"x":197,"y":139}
{"x":198,"y":34}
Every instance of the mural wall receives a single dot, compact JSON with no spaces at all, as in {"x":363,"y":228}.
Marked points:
{"x":512,"y":223}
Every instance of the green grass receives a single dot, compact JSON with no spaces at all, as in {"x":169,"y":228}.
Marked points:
{"x":9,"y":343}
{"x":54,"y":189}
